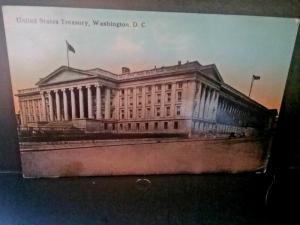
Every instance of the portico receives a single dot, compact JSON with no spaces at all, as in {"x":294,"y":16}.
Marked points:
{"x":76,"y":102}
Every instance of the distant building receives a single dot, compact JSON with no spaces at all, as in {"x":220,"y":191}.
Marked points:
{"x":184,"y":98}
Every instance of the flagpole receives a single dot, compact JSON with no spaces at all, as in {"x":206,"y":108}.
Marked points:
{"x":68,"y":56}
{"x":251,"y":86}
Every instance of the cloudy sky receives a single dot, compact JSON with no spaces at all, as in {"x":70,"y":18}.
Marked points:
{"x":239,"y":45}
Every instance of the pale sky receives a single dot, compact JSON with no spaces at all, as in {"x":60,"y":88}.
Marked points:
{"x":239,"y":45}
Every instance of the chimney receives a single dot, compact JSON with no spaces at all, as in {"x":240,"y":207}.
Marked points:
{"x":125,"y":70}
{"x":179,"y":62}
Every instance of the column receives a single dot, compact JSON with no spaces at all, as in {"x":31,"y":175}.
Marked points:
{"x":57,"y":101}
{"x":207,"y":101}
{"x":153,"y":101}
{"x":66,"y":115}
{"x":90,"y":108}
{"x":216,"y":106}
{"x":31,"y":102}
{"x":43,"y":108}
{"x":162,"y":99}
{"x":143,"y":101}
{"x":126,"y":93}
{"x":202,"y":102}
{"x":198,"y":100}
{"x":26,"y":111}
{"x":98,"y":102}
{"x":173,"y":99}
{"x":116,"y":104}
{"x":73,"y":109}
{"x":81,"y":107}
{"x":107,"y":103}
{"x":40,"y":109}
{"x":50,"y":106}
{"x":21,"y":111}
{"x":211,"y":104}
{"x":134,"y":102}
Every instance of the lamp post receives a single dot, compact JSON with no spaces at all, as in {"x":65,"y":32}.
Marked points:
{"x":254,"y":77}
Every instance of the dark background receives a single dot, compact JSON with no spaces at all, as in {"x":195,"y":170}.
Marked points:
{"x":286,"y":151}
{"x":267,"y":198}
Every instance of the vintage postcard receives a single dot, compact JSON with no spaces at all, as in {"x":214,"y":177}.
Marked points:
{"x":116,"y":92}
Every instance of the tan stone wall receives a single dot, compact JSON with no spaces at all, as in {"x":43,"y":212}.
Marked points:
{"x":146,"y":156}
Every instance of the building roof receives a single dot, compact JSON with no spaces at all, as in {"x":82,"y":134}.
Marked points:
{"x":210,"y":71}
{"x":66,"y":74}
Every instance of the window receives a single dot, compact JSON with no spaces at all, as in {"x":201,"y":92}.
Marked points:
{"x":158,"y":87}
{"x":166,"y":125}
{"x":178,"y":110}
{"x":169,"y":86}
{"x":158,"y":98}
{"x":131,"y":90}
{"x":156,"y":125}
{"x":158,"y":111}
{"x":176,"y":125}
{"x":139,"y":100}
{"x":168,"y":111}
{"x":122,"y":101}
{"x":122,"y":91}
{"x":140,"y":90}
{"x":148,"y":112}
{"x":130,"y":101}
{"x":148,"y":99}
{"x":168,"y":97}
{"x":105,"y":126}
{"x":139,"y":113}
{"x":129,"y":126}
{"x":179,"y":84}
{"x":122,"y":114}
{"x":149,"y":88}
{"x":137,"y":126}
{"x":146,"y":126}
{"x":130,"y":113}
{"x":179,"y":96}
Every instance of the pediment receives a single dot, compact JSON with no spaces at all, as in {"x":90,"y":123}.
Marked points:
{"x":212,"y":72}
{"x":67,"y":76}
{"x":64,"y":75}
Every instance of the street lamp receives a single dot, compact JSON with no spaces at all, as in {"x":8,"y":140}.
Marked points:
{"x":254,"y":77}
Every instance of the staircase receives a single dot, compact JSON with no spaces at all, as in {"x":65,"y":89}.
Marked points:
{"x":62,"y":126}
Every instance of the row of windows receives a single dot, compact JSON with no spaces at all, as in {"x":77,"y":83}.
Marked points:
{"x":31,"y":107}
{"x":149,"y":88}
{"x":168,"y":98}
{"x":166,"y":125}
{"x":32,"y":118}
{"x":148,"y":112}
{"x":138,"y":126}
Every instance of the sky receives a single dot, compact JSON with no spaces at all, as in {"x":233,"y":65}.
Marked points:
{"x":240,"y":46}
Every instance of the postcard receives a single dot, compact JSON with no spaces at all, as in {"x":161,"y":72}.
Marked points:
{"x":119,"y":92}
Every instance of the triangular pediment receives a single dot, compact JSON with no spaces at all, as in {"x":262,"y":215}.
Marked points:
{"x":64,"y":74}
{"x":212,"y":72}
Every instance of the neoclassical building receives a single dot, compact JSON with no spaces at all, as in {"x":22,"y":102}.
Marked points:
{"x":183,"y":98}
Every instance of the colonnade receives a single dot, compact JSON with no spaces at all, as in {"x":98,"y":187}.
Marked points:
{"x":206,"y":102}
{"x":232,"y":113}
{"x":69,"y":103}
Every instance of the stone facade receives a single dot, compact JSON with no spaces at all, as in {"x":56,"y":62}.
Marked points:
{"x":185,"y":98}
